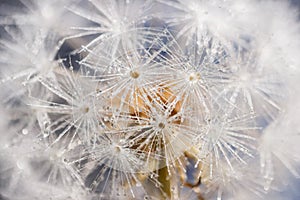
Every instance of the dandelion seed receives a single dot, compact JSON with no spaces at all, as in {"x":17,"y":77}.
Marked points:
{"x":228,"y":139}
{"x":50,"y":163}
{"x":197,"y":71}
{"x":159,"y":130}
{"x":128,"y":78}
{"x":201,"y":18}
{"x":228,"y":184}
{"x":253,"y":87}
{"x":77,"y":108}
{"x":34,"y":57}
{"x":112,"y":164}
{"x":111,"y":19}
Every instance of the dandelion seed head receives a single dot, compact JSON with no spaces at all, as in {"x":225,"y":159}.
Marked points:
{"x":160,"y":99}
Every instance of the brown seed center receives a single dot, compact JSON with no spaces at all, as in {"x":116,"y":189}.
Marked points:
{"x":134,"y":74}
{"x":86,"y":109}
{"x":161,"y":125}
{"x":117,"y":149}
{"x":195,"y":76}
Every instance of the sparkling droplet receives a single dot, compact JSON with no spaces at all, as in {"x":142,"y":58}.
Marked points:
{"x":45,"y":135}
{"x":131,"y":143}
{"x":24,"y":131}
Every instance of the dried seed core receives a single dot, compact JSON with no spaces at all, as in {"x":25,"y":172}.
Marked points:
{"x":134,"y":74}
{"x":161,"y":125}
{"x":117,"y":149}
{"x":86,"y":109}
{"x":194,"y":77}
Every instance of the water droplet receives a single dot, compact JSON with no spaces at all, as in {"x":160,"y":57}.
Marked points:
{"x":131,"y":143}
{"x":24,"y":131}
{"x":173,"y":188}
{"x":138,"y":184}
{"x":20,"y":164}
{"x":45,"y":135}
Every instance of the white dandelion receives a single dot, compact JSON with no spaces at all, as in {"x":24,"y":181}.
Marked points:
{"x":168,"y":100}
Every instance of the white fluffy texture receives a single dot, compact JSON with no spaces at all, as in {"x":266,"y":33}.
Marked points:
{"x":32,"y":52}
{"x":271,"y":24}
{"x":40,"y":190}
{"x":44,"y":15}
{"x":276,"y":30}
{"x":279,"y":146}
{"x":218,"y":88}
{"x":228,"y":184}
{"x":106,"y":18}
